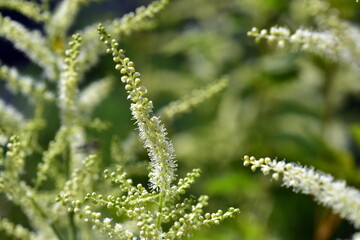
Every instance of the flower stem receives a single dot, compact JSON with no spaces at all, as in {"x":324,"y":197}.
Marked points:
{"x":161,"y":205}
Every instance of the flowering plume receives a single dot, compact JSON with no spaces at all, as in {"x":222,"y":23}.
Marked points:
{"x":152,"y":131}
{"x":342,"y":199}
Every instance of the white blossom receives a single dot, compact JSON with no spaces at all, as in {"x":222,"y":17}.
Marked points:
{"x":327,"y":191}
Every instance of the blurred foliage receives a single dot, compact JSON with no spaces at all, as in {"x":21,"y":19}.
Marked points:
{"x":293,"y":106}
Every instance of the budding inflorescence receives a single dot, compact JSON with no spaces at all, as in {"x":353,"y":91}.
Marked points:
{"x":343,"y":199}
{"x":152,"y":131}
{"x":325,"y":43}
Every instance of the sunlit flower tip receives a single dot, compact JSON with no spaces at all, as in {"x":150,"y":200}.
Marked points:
{"x":263,"y":32}
{"x":107,"y":220}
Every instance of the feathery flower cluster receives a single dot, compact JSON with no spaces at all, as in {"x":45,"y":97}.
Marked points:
{"x":337,"y":41}
{"x":152,"y":132}
{"x":322,"y":43}
{"x":342,"y":199}
{"x":329,"y":18}
{"x":168,"y":114}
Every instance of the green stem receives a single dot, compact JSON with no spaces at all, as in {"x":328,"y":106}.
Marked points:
{"x":73,"y":229}
{"x":66,"y":157}
{"x":161,"y":205}
{"x":55,"y":229}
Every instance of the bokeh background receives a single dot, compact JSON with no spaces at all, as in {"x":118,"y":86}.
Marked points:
{"x":279,"y":103}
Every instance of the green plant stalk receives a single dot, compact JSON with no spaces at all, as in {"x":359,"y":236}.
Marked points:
{"x":161,"y":205}
{"x":55,"y":229}
{"x":73,"y":228}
